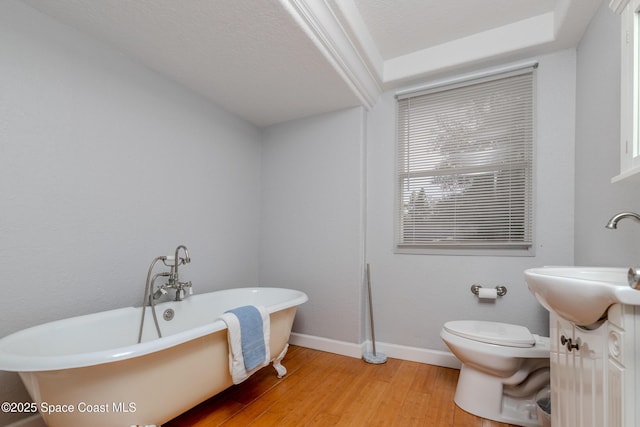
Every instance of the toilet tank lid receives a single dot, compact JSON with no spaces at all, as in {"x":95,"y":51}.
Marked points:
{"x":492,"y":332}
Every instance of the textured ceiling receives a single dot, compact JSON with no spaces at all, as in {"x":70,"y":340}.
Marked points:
{"x":248,"y":56}
{"x":275,"y":60}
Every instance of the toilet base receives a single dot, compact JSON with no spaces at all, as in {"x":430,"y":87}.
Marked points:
{"x":481,"y":395}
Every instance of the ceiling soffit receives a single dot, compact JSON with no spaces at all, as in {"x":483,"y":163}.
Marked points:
{"x":340,"y":31}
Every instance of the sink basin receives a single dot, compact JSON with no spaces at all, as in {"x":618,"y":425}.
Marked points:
{"x":581,"y":295}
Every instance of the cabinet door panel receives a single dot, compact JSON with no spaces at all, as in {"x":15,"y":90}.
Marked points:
{"x":577,"y":374}
{"x":615,"y":380}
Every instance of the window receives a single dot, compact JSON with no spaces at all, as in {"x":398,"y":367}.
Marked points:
{"x":464,"y":165}
{"x":629,"y":88}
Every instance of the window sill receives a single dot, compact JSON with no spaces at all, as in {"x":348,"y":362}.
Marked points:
{"x":498,"y":252}
{"x":629,"y":175}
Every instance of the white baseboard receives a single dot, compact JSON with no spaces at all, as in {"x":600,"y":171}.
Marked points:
{"x":414,"y":354}
{"x":325,"y":344}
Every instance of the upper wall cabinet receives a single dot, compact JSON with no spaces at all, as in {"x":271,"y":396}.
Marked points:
{"x":629,"y":90}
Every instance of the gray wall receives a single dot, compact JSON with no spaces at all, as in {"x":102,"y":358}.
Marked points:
{"x":419,"y":293}
{"x":312,"y":222}
{"x":312,"y":185}
{"x":598,"y":151}
{"x":103,"y":166}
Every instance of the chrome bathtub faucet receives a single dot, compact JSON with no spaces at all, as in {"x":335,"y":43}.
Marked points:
{"x":174,"y":277}
{"x":150,"y":295}
{"x":633,"y":275}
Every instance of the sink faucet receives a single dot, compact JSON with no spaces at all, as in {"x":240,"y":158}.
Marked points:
{"x":613,"y":222}
{"x":633,"y":277}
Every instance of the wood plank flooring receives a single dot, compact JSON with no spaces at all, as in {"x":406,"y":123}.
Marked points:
{"x":325,"y":389}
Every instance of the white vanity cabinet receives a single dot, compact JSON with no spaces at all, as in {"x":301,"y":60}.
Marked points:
{"x":593,"y":375}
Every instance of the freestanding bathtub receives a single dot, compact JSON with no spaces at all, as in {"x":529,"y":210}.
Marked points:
{"x":90,"y":370}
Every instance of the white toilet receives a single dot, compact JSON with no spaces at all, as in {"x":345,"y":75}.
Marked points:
{"x":503,"y":368}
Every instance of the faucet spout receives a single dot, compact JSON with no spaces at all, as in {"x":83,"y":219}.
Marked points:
{"x":633,"y":276}
{"x":177,"y":261}
{"x":613,"y":222}
{"x":174,"y":280}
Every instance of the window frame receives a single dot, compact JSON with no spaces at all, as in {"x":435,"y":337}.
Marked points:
{"x":629,"y":10}
{"x":480,"y":248}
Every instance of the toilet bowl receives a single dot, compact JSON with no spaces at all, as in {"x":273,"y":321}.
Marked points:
{"x":503,"y":368}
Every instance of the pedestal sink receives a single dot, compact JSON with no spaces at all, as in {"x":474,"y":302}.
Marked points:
{"x":581,"y":295}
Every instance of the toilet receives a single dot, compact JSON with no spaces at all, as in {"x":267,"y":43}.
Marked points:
{"x":503,"y":368}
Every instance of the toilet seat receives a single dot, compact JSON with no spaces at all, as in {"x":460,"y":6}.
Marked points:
{"x":497,"y":333}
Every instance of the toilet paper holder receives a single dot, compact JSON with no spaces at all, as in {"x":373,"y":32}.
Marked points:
{"x":502,"y":290}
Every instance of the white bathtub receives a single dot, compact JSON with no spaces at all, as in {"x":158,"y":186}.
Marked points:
{"x":89,"y":370}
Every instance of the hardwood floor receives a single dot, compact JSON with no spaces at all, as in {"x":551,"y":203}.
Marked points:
{"x":325,"y":389}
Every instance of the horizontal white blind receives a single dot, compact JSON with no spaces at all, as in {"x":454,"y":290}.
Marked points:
{"x":464,"y":165}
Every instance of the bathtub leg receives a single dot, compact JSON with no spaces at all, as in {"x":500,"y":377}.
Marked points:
{"x":281,"y":370}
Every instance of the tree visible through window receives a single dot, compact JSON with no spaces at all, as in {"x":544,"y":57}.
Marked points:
{"x":464,"y":164}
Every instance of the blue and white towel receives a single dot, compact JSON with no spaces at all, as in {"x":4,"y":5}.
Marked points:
{"x":248,"y":335}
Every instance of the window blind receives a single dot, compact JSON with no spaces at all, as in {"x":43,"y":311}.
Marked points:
{"x":464,"y":164}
